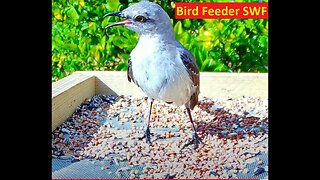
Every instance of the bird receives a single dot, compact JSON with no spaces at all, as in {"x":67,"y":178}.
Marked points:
{"x":159,"y":64}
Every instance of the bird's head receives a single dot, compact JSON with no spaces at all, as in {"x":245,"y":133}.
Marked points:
{"x":144,"y":18}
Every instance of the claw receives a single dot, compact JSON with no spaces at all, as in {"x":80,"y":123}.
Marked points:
{"x":195,"y":140}
{"x":147,"y":136}
{"x":167,"y":176}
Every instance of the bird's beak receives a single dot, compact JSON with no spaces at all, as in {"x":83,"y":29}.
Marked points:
{"x":120,"y":23}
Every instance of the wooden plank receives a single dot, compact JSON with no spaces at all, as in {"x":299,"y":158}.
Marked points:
{"x":232,"y":85}
{"x":68,"y":93}
{"x":114,"y":82}
{"x":220,"y":85}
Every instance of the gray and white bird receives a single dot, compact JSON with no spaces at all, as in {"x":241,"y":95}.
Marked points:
{"x":159,"y":64}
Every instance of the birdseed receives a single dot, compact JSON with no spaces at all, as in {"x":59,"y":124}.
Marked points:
{"x":108,"y":128}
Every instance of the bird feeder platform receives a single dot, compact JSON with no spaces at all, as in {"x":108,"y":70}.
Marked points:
{"x":72,"y":91}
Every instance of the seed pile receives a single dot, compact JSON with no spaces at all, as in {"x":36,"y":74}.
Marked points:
{"x":235,"y":133}
{"x":74,"y":134}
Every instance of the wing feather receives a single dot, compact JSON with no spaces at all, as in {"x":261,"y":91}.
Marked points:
{"x":193,"y":70}
{"x":130,"y":74}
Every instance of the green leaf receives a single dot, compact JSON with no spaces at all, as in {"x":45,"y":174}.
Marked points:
{"x":186,"y":23}
{"x":221,"y":68}
{"x":112,"y":5}
{"x":72,"y":46}
{"x":92,"y":28}
{"x":121,"y":66}
{"x":216,"y":42}
{"x":178,"y":28}
{"x":119,"y":41}
{"x":206,"y":64}
{"x":227,"y":47}
{"x":78,"y":36}
{"x":105,"y":22}
{"x":198,"y":56}
{"x":240,"y":30}
{"x":103,"y":41}
{"x":263,"y":41}
{"x":73,"y":13}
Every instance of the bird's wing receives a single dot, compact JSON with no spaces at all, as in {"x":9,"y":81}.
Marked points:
{"x":129,"y":72}
{"x":192,"y":68}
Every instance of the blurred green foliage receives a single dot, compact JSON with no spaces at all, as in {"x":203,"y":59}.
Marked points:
{"x":80,"y":42}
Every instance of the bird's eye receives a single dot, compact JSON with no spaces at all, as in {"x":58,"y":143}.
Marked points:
{"x":141,"y":19}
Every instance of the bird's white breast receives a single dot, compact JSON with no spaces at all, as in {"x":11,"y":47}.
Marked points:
{"x":159,"y":71}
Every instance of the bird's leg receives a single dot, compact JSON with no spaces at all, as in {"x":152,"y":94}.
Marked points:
{"x":195,"y":138}
{"x":147,"y":132}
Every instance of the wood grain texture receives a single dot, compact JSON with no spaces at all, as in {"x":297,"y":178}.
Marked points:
{"x":222,"y":85}
{"x":69,"y":92}
{"x":232,"y":85}
{"x":114,"y":82}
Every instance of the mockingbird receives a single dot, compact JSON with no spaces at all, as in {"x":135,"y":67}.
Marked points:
{"x":159,"y":64}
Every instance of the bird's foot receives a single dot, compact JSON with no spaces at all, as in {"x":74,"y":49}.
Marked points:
{"x":195,"y":140}
{"x":147,"y":136}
